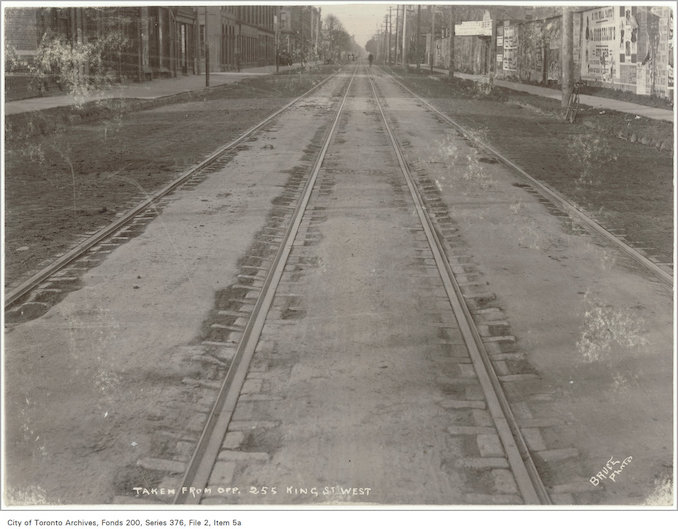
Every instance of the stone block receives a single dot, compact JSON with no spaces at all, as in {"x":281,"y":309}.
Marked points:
{"x":504,"y":483}
{"x":558,"y":454}
{"x":480,"y":463}
{"x":490,"y":445}
{"x":222,"y":473}
{"x":233,"y":440}
{"x":457,"y":404}
{"x":163,"y":465}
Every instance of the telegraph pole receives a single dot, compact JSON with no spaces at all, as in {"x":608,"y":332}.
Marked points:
{"x":380,"y":49}
{"x":397,"y":39}
{"x":207,"y":53}
{"x":276,"y":22}
{"x":416,"y":43}
{"x":566,"y":54}
{"x":385,"y":42}
{"x":390,"y":29}
{"x":404,"y":46}
{"x":492,"y":70}
{"x":433,"y":36}
{"x":450,"y":73}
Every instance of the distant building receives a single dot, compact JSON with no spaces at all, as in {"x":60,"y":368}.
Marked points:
{"x":243,"y":35}
{"x":150,"y":41}
{"x":141,"y":43}
{"x":627,"y":48}
{"x":300,"y":31}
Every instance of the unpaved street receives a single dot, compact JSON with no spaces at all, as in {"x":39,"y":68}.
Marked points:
{"x":110,"y":359}
{"x":362,"y":388}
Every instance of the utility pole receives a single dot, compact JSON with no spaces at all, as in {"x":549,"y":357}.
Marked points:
{"x":385,"y":42}
{"x":140,"y":35}
{"x":390,"y":30}
{"x":395,"y":58}
{"x":566,"y":54}
{"x":276,"y":22}
{"x":207,"y":53}
{"x":433,"y":36}
{"x":238,"y":45}
{"x":451,"y":23}
{"x":416,"y":43}
{"x":404,"y":45}
{"x":492,"y":70}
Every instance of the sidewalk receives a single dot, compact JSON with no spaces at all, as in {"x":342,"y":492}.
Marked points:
{"x":147,"y":90}
{"x":592,"y":101}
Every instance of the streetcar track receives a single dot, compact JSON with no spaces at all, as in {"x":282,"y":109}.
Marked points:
{"x":204,"y":458}
{"x":145,"y":208}
{"x":246,"y":303}
{"x":553,"y":197}
{"x":207,"y":449}
{"x":524,"y":470}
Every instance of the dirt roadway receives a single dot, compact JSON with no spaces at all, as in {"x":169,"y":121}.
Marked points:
{"x":597,"y":329}
{"x":97,"y":383}
{"x":358,"y":384}
{"x":591,"y":326}
{"x":627,"y":186}
{"x":61,"y":186}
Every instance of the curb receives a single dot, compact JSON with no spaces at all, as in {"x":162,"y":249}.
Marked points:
{"x":40,"y":122}
{"x":24,"y":125}
{"x":659,"y":142}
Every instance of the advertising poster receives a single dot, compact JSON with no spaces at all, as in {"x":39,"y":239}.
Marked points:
{"x":670,"y":55}
{"x":648,"y":51}
{"x":600,"y":45}
{"x":628,"y":35}
{"x":499,"y":51}
{"x":554,"y":38}
{"x":629,"y":31}
{"x":510,"y":47}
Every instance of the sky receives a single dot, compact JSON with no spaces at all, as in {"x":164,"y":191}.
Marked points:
{"x":360,"y":19}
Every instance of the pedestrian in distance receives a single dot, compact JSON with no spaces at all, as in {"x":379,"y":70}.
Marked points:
{"x":370,"y":59}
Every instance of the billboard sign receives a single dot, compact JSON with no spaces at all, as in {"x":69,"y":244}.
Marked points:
{"x":510,"y":55}
{"x":600,"y":44}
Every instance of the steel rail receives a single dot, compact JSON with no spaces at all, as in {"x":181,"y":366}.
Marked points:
{"x":524,"y":470}
{"x":27,"y":286}
{"x":551,"y":194}
{"x":209,"y":444}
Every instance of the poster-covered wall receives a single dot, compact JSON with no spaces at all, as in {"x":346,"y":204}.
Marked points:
{"x":510,"y":47}
{"x":532,"y":52}
{"x":628,"y":47}
{"x":600,"y":47}
{"x":624,"y":47}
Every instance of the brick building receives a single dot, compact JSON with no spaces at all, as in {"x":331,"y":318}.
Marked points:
{"x":140,"y":43}
{"x":144,"y":41}
{"x":244,"y":34}
{"x":300,"y":31}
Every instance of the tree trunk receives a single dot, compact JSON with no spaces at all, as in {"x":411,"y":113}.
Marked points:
{"x":450,"y":73}
{"x":433,"y":37}
{"x":566,"y":57}
{"x":416,"y":43}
